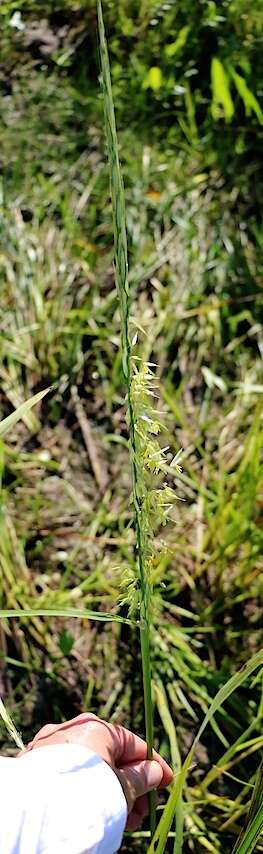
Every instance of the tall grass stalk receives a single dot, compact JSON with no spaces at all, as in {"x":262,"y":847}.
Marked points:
{"x":121,"y":274}
{"x":10,"y":726}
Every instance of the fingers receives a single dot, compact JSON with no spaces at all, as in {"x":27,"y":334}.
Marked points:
{"x":85,"y":730}
{"x":130,"y":748}
{"x":44,"y":733}
{"x":123,"y":746}
{"x":167,"y":771}
{"x":142,"y":806}
{"x":51,"y":729}
{"x":139,"y":811}
{"x":116,"y":744}
{"x":56,"y":731}
{"x":138,"y":779}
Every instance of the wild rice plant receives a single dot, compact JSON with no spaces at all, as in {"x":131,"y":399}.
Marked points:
{"x":151,"y":505}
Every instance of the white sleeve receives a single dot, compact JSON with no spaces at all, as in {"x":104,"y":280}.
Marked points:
{"x":60,"y":799}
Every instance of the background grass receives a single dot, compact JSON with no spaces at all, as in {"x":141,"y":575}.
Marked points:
{"x":192,"y":184}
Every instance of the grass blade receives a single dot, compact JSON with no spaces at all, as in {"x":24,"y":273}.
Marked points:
{"x":227,"y":689}
{"x":10,"y":726}
{"x":169,"y":727}
{"x":21,"y":411}
{"x":160,"y":837}
{"x":222,"y":763}
{"x":81,"y":613}
{"x":249,"y":836}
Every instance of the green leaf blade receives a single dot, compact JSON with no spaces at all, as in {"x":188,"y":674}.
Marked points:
{"x":160,"y":837}
{"x":21,"y":411}
{"x":81,"y":613}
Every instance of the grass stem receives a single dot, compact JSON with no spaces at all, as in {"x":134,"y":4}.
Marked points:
{"x":121,"y":273}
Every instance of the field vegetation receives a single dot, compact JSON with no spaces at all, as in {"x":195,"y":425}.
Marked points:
{"x":187,"y":89}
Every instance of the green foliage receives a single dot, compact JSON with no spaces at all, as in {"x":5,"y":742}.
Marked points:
{"x":221,"y":92}
{"x":11,"y":729}
{"x":194,"y":233}
{"x":252,"y":832}
{"x":153,"y":79}
{"x":21,"y":412}
{"x":220,"y":80}
{"x":174,"y":47}
{"x":122,"y":283}
{"x":7,"y":613}
{"x":159,"y":841}
{"x":151,"y":506}
{"x":250,"y":102}
{"x":66,"y":642}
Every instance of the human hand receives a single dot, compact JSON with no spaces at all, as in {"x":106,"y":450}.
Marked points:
{"x":125,"y":752}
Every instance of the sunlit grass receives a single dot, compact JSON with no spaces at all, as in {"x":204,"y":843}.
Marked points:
{"x":64,"y":547}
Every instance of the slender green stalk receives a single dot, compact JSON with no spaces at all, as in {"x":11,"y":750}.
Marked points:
{"x":10,"y":726}
{"x":121,"y":271}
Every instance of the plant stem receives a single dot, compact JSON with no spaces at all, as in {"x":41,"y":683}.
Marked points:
{"x":121,"y":273}
{"x":146,"y":671}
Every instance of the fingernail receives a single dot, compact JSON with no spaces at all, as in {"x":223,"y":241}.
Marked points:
{"x":153,"y":774}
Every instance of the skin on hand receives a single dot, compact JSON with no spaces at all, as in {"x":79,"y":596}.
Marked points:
{"x":125,"y":752}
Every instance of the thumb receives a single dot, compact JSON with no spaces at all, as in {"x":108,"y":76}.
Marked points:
{"x":139,"y":778}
